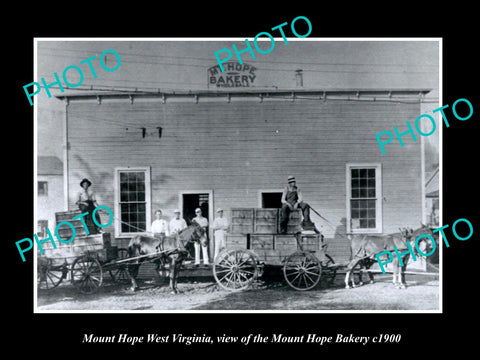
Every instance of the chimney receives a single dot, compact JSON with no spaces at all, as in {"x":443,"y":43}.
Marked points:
{"x":299,"y":77}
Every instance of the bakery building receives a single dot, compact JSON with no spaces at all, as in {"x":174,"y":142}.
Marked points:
{"x":235,"y":147}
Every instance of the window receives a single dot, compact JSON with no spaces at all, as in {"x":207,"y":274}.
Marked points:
{"x":364,"y":205}
{"x":132,"y":201}
{"x":42,"y":229}
{"x":42,"y":188}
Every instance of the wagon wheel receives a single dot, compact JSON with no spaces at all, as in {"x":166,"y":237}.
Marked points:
{"x":235,"y":269}
{"x":329,"y":273}
{"x":87,"y":274}
{"x":119,"y":273}
{"x":302,"y":270}
{"x":50,"y":276}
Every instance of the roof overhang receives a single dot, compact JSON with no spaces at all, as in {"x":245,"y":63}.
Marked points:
{"x":395,"y":95}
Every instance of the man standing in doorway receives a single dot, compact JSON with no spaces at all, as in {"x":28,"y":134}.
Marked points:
{"x":203,"y":222}
{"x":292,"y":199}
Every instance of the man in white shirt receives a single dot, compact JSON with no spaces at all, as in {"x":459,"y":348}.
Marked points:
{"x":203,"y":222}
{"x":159,"y":225}
{"x":220,"y":227}
{"x":177,"y":224}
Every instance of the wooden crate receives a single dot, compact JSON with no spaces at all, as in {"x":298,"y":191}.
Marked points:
{"x":66,"y":215}
{"x":286,"y":243}
{"x":69,"y":253}
{"x":272,"y":257}
{"x":49,"y":244}
{"x":265,"y":221}
{"x":294,"y":221}
{"x":235,"y":241}
{"x":242,"y":220}
{"x":293,"y":229}
{"x":97,"y":239}
{"x":103,"y":239}
{"x":261,"y":241}
{"x":262,"y":254}
{"x":295,"y":217}
{"x":66,"y":232}
{"x":310,"y":242}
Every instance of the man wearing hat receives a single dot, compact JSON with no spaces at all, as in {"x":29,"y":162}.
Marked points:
{"x":292,"y":199}
{"x":177,"y":224}
{"x":87,"y":202}
{"x":203,"y":222}
{"x":220,"y":227}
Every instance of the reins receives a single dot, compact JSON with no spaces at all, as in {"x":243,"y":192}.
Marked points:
{"x":329,"y":224}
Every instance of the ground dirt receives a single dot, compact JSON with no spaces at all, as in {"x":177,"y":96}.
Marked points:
{"x":268,"y":293}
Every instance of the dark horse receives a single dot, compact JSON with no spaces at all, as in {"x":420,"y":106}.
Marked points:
{"x":169,"y":249}
{"x":365,"y":247}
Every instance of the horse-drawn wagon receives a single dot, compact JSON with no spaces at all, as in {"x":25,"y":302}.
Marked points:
{"x":85,"y":260}
{"x":254,"y":242}
{"x":89,"y":256}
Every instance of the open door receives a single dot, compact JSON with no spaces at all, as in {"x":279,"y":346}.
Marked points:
{"x":271,"y":200}
{"x":198,"y":199}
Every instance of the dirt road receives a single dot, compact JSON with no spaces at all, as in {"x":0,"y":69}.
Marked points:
{"x":422,"y":293}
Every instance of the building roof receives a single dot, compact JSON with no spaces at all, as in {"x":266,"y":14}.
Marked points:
{"x":49,"y":165}
{"x":365,"y":94}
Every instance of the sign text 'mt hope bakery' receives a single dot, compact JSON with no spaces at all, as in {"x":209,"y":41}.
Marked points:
{"x":235,"y":75}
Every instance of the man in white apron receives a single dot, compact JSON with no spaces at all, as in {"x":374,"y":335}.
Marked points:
{"x":203,"y":222}
{"x":220,"y":227}
{"x":177,"y":224}
{"x":159,"y":226}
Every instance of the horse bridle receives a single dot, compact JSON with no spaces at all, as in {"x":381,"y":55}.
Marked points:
{"x":187,"y":241}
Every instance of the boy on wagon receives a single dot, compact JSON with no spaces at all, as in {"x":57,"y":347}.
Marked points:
{"x":292,"y":199}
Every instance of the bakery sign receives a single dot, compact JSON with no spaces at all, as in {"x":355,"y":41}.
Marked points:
{"x":236,"y":75}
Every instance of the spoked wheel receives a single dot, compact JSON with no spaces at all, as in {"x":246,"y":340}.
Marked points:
{"x":50,"y":276}
{"x":235,"y":269}
{"x":87,"y":274}
{"x":119,"y":273}
{"x":302,"y":270}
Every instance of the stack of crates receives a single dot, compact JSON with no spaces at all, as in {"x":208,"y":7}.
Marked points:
{"x":257,"y":229}
{"x":98,"y":244}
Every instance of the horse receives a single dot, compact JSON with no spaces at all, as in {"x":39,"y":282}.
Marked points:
{"x":171,"y":249}
{"x":366,"y":247}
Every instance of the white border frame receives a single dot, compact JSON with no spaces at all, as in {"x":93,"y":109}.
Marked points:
{"x":439,"y":40}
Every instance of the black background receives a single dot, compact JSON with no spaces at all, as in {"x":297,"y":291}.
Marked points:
{"x":56,"y":335}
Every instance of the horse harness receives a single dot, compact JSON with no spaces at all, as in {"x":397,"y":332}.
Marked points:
{"x":160,"y":248}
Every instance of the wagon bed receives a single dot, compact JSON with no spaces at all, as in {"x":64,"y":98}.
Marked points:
{"x":84,"y":260}
{"x":254,"y":241}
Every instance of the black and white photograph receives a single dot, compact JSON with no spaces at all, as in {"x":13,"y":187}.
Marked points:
{"x":297,"y":180}
{"x":214,"y":180}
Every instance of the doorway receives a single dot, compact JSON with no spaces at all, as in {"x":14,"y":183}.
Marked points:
{"x":270,"y":199}
{"x":203,"y":199}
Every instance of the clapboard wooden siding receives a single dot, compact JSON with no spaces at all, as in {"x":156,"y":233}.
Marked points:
{"x":237,"y":148}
